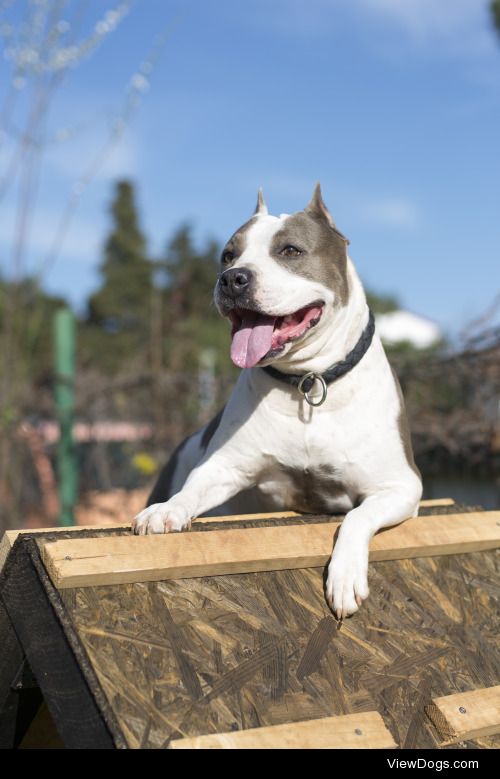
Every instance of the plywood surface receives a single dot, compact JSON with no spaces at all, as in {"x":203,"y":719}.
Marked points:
{"x":191,"y":657}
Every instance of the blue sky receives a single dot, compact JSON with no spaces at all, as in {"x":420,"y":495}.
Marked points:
{"x":394,"y":105}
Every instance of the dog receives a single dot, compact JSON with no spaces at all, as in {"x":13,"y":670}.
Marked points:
{"x":316,"y":422}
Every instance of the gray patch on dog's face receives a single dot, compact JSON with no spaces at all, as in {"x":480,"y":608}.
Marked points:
{"x":324,"y":254}
{"x":236,"y":245}
{"x":404,"y":428}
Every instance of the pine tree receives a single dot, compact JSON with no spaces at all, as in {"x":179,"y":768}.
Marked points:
{"x":190,"y":275}
{"x":121,"y":308}
{"x":195,"y":338}
{"x":31,"y":321}
{"x":191,"y":321}
{"x":495,"y":11}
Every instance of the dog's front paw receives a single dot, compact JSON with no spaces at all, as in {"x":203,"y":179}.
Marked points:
{"x":161,"y":518}
{"x":347,"y":582}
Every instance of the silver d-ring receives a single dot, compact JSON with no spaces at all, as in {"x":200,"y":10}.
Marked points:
{"x":324,"y":388}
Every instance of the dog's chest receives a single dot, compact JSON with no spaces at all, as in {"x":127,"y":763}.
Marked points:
{"x":306,"y":490}
{"x":309,"y":468}
{"x":320,"y":459}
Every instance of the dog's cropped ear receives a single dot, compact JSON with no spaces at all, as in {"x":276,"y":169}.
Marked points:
{"x":261,"y":208}
{"x":317,"y":208}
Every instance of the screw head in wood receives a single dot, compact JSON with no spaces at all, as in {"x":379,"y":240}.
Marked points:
{"x":462,"y":710}
{"x":358,"y":732}
{"x":68,"y":557}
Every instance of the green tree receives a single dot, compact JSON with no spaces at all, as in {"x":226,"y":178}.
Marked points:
{"x":195,"y":339}
{"x":120,"y":310}
{"x":191,"y":321}
{"x":29,"y":327}
{"x":189,"y":274}
{"x":495,"y":10}
{"x":382,"y":304}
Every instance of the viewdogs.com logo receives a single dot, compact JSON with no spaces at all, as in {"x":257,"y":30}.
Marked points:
{"x":437,"y":765}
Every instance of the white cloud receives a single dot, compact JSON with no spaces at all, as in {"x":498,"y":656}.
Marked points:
{"x":424,"y":19}
{"x":391,"y":212}
{"x":442,"y":28}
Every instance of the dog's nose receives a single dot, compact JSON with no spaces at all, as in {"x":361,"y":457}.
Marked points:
{"x":235,"y":281}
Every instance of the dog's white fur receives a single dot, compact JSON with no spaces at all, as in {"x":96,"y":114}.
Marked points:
{"x":268,"y":424}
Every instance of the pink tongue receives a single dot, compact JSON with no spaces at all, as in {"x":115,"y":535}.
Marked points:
{"x":253,"y":340}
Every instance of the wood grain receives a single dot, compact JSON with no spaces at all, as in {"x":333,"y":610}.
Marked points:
{"x":466,"y":715}
{"x":436,"y":502}
{"x":10,"y":536}
{"x":350,"y":731}
{"x":121,"y":559}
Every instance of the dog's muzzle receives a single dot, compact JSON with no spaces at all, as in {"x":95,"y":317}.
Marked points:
{"x":235,"y":282}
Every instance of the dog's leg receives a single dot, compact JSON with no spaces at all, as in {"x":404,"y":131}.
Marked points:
{"x":347,"y":582}
{"x":218,"y":478}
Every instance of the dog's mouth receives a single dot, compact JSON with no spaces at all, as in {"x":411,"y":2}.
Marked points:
{"x":257,"y":336}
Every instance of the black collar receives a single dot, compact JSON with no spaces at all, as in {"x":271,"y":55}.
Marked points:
{"x":305,"y":382}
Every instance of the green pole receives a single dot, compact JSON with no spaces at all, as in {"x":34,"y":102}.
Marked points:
{"x":64,"y":363}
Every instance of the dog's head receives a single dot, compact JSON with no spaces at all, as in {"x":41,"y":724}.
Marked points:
{"x":279,"y":280}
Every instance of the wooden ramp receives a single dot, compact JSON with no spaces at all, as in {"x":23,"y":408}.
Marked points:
{"x":167,"y":641}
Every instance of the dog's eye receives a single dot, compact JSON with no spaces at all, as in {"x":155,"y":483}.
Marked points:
{"x":290,"y":251}
{"x":227,"y":257}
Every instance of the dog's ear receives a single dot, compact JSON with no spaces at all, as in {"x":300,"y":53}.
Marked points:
{"x":317,"y":207}
{"x":261,"y":208}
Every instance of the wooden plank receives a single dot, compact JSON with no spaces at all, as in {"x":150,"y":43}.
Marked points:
{"x":10,"y":536}
{"x":5,"y":547}
{"x":246,"y":517}
{"x":119,"y":559}
{"x":350,"y":731}
{"x":466,"y":715}
{"x":436,"y":502}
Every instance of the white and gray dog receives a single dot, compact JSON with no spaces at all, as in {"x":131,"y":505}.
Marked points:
{"x":316,"y":422}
